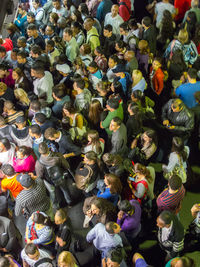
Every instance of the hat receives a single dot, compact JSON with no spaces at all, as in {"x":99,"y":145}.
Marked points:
{"x":20,"y":119}
{"x":63,"y":68}
{"x":25,"y":180}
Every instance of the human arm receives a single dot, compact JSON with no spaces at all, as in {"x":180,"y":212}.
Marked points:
{"x":106,"y":194}
{"x":44,"y":236}
{"x":173,"y":161}
{"x":140,"y":191}
{"x":91,"y":234}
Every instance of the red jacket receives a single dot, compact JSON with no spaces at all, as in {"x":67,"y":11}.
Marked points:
{"x":8,"y":44}
{"x":182,"y":6}
{"x":125,"y":9}
{"x":158,"y":81}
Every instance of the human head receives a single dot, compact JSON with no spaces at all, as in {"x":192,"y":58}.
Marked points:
{"x":113,"y":61}
{"x":22,"y":152}
{"x":114,"y":10}
{"x":92,"y":67}
{"x":3,"y":70}
{"x":35,"y":105}
{"x":192,"y":74}
{"x":11,"y":28}
{"x":43,"y":148}
{"x":177,"y":144}
{"x":17,"y":74}
{"x":22,"y":96}
{"x":112,"y":104}
{"x":32,"y":251}
{"x":31,"y":30}
{"x":165,"y":219}
{"x":107,"y":30}
{"x":150,"y":136}
{"x":90,"y":158}
{"x":120,"y":45}
{"x":146,"y":22}
{"x":53,"y":18}
{"x":60,"y":216}
{"x":21,"y":42}
{"x":8,"y":106}
{"x":79,"y":85}
{"x":115,"y":124}
{"x":35,"y":131}
{"x":115,"y":257}
{"x":157,"y":63}
{"x":183,"y":36}
{"x":8,"y":170}
{"x":88,"y":23}
{"x":136,"y":76}
{"x":2,"y":51}
{"x":56,"y":4}
{"x":40,"y":118}
{"x":68,"y":109}
{"x":37,"y":71}
{"x":175,"y":182}
{"x":50,"y":29}
{"x":3,"y":88}
{"x":21,"y":57}
{"x":143,"y":47}
{"x":177,"y":105}
{"x":51,"y":134}
{"x":195,"y":3}
{"x":66,"y":259}
{"x":30,"y":17}
{"x":113,"y":182}
{"x":129,"y":55}
{"x":113,"y":228}
{"x":126,"y":207}
{"x":36,"y":4}
{"x":67,"y":34}
{"x":123,"y":28}
{"x":25,"y":180}
{"x":40,"y":218}
{"x":4,"y":145}
{"x":85,"y":49}
{"x":141,"y":170}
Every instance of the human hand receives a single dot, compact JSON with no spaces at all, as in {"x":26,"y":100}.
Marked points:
{"x":166,"y":122}
{"x":134,"y":143}
{"x":120,"y":215}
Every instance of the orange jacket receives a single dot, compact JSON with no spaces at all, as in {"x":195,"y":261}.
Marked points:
{"x":158,"y":81}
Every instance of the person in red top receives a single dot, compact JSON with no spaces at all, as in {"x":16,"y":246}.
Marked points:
{"x":7,"y":43}
{"x":182,"y":6}
{"x":9,"y":181}
{"x":125,"y":9}
{"x":157,"y":76}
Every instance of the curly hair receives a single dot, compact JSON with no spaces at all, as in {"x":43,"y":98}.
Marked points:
{"x":167,"y":29}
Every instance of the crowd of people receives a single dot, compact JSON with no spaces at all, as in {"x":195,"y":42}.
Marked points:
{"x":93,"y":96}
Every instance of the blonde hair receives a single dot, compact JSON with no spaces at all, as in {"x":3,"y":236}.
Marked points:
{"x":183,"y":36}
{"x":143,"y":47}
{"x":66,"y":257}
{"x":22,"y":96}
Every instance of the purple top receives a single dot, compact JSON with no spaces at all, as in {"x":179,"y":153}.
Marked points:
{"x":143,"y":60}
{"x":131,"y":223}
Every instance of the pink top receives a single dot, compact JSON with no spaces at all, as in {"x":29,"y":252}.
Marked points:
{"x":24,"y":165}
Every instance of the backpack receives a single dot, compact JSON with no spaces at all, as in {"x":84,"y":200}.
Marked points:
{"x":124,"y":4}
{"x":82,"y":181}
{"x":78,"y":135}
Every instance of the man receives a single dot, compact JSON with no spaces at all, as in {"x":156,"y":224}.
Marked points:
{"x":114,"y":19}
{"x":171,"y":197}
{"x":92,"y":34}
{"x":159,"y":9}
{"x":31,"y":255}
{"x":83,"y":96}
{"x":149,"y":34}
{"x":50,"y":31}
{"x":105,"y":237}
{"x":43,"y":83}
{"x":24,"y":63}
{"x":119,"y":137}
{"x":114,"y":110}
{"x":6,"y":75}
{"x":35,"y":38}
{"x":194,"y":8}
{"x":72,"y":48}
{"x":132,"y":63}
{"x":103,"y":8}
{"x":109,"y":42}
{"x":20,"y":133}
{"x":177,"y":118}
{"x":33,"y":197}
{"x":31,"y":20}
{"x":51,"y":51}
{"x":128,"y":37}
{"x":44,"y":122}
{"x":22,"y":45}
{"x":65,"y":144}
{"x":170,"y":234}
{"x":39,"y":58}
{"x":6,"y":93}
{"x":37,"y":136}
{"x":115,"y":258}
{"x":187,"y":90}
{"x":66,"y":75}
{"x":63,"y":235}
{"x":60,"y":98}
{"x":125,"y":9}
{"x":11,"y":113}
{"x":4,"y":129}
{"x":3,"y":56}
{"x":9,"y":181}
{"x":59,"y":9}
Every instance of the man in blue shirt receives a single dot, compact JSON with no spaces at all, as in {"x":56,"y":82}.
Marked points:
{"x":105,"y":237}
{"x":186,"y":91}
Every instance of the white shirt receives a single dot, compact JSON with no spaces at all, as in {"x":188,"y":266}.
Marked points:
{"x":115,"y":22}
{"x":7,"y":157}
{"x":44,"y":85}
{"x":165,"y":232}
{"x":43,"y":254}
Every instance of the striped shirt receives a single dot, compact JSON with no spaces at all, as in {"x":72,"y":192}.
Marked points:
{"x":10,"y":119}
{"x":32,"y":199}
{"x":168,"y":201}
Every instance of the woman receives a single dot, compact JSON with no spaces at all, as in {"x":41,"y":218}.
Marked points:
{"x":77,"y":122}
{"x":177,"y":160}
{"x":114,"y":164}
{"x":78,"y":32}
{"x":66,"y":259}
{"x":117,"y":89}
{"x":190,"y":24}
{"x":142,"y":185}
{"x":13,"y":33}
{"x":157,"y":76}
{"x":144,"y":147}
{"x":102,"y":209}
{"x":103,"y":92}
{"x":76,"y":16}
{"x":139,"y":82}
{"x":39,"y":231}
{"x":53,"y":19}
{"x":95,"y":143}
{"x":38,"y":11}
{"x":87,"y":173}
{"x":111,"y":189}
{"x":142,"y":55}
{"x":69,"y":7}
{"x":23,"y":101}
{"x":134,"y":123}
{"x":21,"y":19}
{"x":95,"y":110}
{"x":24,"y":161}
{"x":197,"y":38}
{"x":20,"y":80}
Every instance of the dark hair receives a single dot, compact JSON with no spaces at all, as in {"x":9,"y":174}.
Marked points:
{"x":178,"y":58}
{"x":178,"y":147}
{"x":138,"y":94}
{"x":31,"y":14}
{"x":137,"y":113}
{"x":95,"y":110}
{"x":118,"y":88}
{"x":192,"y":73}
{"x":114,"y":182}
{"x":61,"y":213}
{"x":126,"y":206}
{"x":35,"y":105}
{"x":50,"y":132}
{"x":113,"y":103}
{"x":50,"y":42}
{"x":43,"y":148}
{"x":91,"y":155}
{"x":30,"y":249}
{"x":32,"y":27}
{"x":110,"y":227}
{"x":4,"y":262}
{"x":116,"y":254}
{"x":152,"y":134}
{"x":114,"y":58}
{"x":121,"y":44}
{"x":59,"y":90}
{"x":2,"y":49}
{"x":41,"y":219}
{"x":78,"y":16}
{"x":54,"y":16}
{"x":108,"y":27}
{"x":80,"y":84}
{"x":4,"y":66}
{"x":166,"y":216}
{"x":84,"y":9}
{"x":146,"y":21}
{"x":93,"y":64}
{"x":36,"y":49}
{"x":132,"y":23}
{"x":103,"y":205}
{"x":191,"y":24}
{"x":40,"y":117}
{"x":69,"y":107}
{"x":12,"y":28}
{"x":24,"y":150}
{"x":68,"y":31}
{"x":139,"y":168}
{"x":35,"y":129}
{"x":76,"y":24}
{"x":110,"y":159}
{"x":8,"y":169}
{"x":167,"y":29}
{"x":175,"y":182}
{"x":39,"y":68}
{"x":6,"y":143}
{"x":99,"y":50}
{"x":117,"y":120}
{"x":22,"y":54}
{"x":22,"y":39}
{"x":124,"y":26}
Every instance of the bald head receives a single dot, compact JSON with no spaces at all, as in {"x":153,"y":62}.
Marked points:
{"x":114,"y":10}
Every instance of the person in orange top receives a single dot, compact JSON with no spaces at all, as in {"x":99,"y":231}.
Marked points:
{"x":157,"y":76}
{"x":9,"y":181}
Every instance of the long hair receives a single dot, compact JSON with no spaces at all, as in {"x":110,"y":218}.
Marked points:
{"x":22,"y":96}
{"x":178,"y":147}
{"x":114,"y":182}
{"x":142,"y":170}
{"x":167,"y":29}
{"x":177,"y":58}
{"x":94,"y":135}
{"x":67,"y":258}
{"x":95,"y":110}
{"x":151,"y":134}
{"x":103,"y":205}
